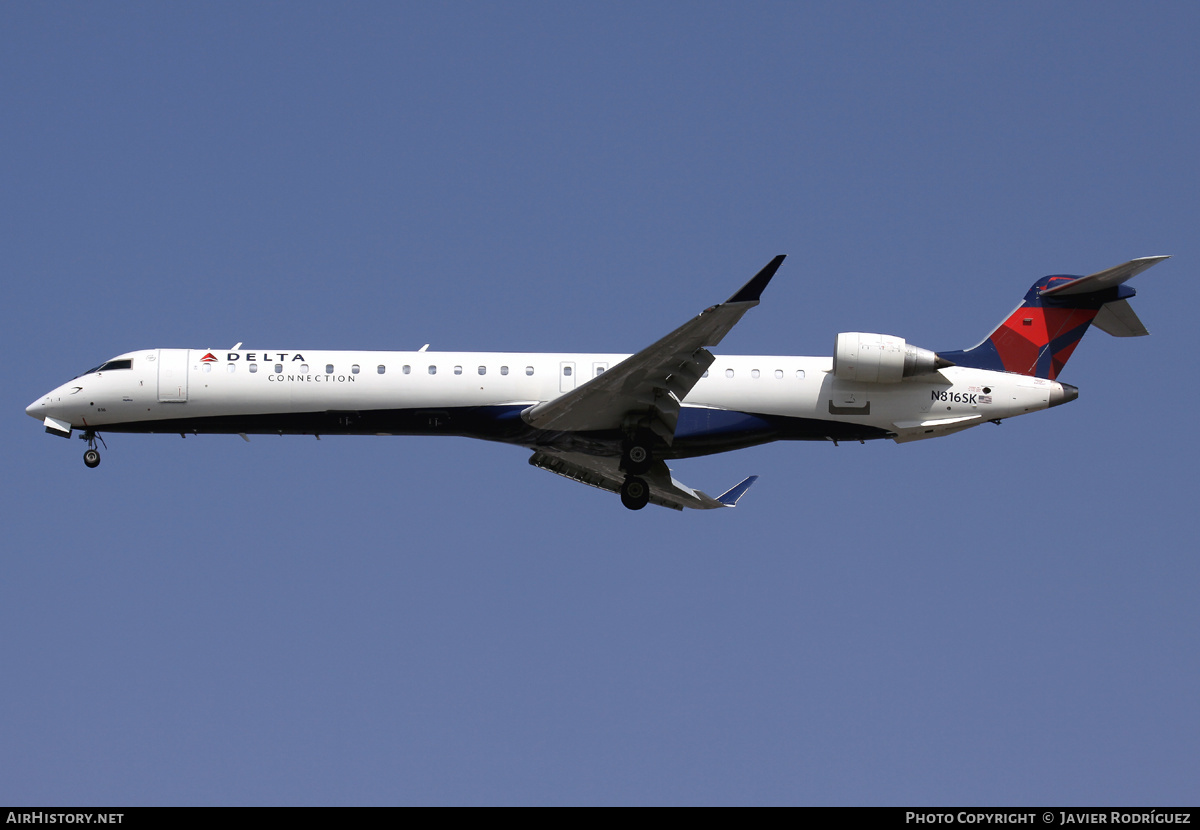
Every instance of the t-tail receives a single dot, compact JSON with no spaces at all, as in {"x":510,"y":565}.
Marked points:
{"x":1039,"y":336}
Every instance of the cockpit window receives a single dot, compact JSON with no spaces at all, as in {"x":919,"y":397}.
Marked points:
{"x":127,"y":363}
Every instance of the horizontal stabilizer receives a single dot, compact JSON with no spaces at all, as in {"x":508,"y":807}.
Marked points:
{"x":730,"y":497}
{"x":1119,"y":319}
{"x":1104,"y":279}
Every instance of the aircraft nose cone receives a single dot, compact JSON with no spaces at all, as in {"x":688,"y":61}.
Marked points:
{"x":34,"y":409}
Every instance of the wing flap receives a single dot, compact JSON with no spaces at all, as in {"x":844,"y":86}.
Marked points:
{"x":604,"y":473}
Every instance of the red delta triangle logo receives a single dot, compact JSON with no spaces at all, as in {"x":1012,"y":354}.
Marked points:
{"x":208,"y":358}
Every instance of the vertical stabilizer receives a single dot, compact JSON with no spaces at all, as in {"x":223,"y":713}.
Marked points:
{"x":1039,"y":337}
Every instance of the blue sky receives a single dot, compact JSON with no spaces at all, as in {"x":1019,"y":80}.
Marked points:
{"x":1006,"y":616}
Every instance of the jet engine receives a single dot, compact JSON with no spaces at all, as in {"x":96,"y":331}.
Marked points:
{"x":881,"y":358}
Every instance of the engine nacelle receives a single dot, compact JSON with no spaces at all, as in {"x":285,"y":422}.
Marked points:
{"x":881,"y":358}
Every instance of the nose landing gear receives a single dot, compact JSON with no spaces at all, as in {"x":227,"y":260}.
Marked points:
{"x":91,"y":457}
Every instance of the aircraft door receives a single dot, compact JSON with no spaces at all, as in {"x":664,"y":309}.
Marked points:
{"x":566,"y":376}
{"x":172,"y":375}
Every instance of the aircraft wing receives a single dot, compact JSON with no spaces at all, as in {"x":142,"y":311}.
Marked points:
{"x":665,"y":491}
{"x":649,"y":385}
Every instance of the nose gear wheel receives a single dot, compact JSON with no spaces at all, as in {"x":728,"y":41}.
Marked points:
{"x":91,"y":457}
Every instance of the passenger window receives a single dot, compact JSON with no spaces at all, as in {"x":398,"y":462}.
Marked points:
{"x":458,"y":370}
{"x":504,"y":370}
{"x":754,"y":373}
{"x":566,"y":371}
{"x":329,"y":368}
{"x":778,"y":373}
{"x":381,"y":368}
{"x":433,"y":370}
{"x":599,"y":371}
{"x":354,"y":369}
{"x":206,"y":367}
{"x":231,"y":368}
{"x":483,"y":370}
{"x":406,"y":369}
{"x":728,"y":373}
{"x":800,"y":374}
{"x":253,"y":368}
{"x":279,"y":368}
{"x":705,"y":374}
{"x":304,"y":368}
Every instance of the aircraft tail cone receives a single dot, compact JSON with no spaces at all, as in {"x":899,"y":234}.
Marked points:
{"x":1063,"y":393}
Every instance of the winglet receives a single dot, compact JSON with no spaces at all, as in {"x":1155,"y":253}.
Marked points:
{"x":730,"y":497}
{"x":751,"y":291}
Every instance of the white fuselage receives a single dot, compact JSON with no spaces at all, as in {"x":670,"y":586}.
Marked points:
{"x":371,"y":392}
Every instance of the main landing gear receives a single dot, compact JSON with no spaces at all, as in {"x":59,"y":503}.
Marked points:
{"x":638,"y":456}
{"x":91,"y":457}
{"x":635,"y":493}
{"x":636,"y":459}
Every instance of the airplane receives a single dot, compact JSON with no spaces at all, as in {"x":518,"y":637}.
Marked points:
{"x":613,"y":420}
